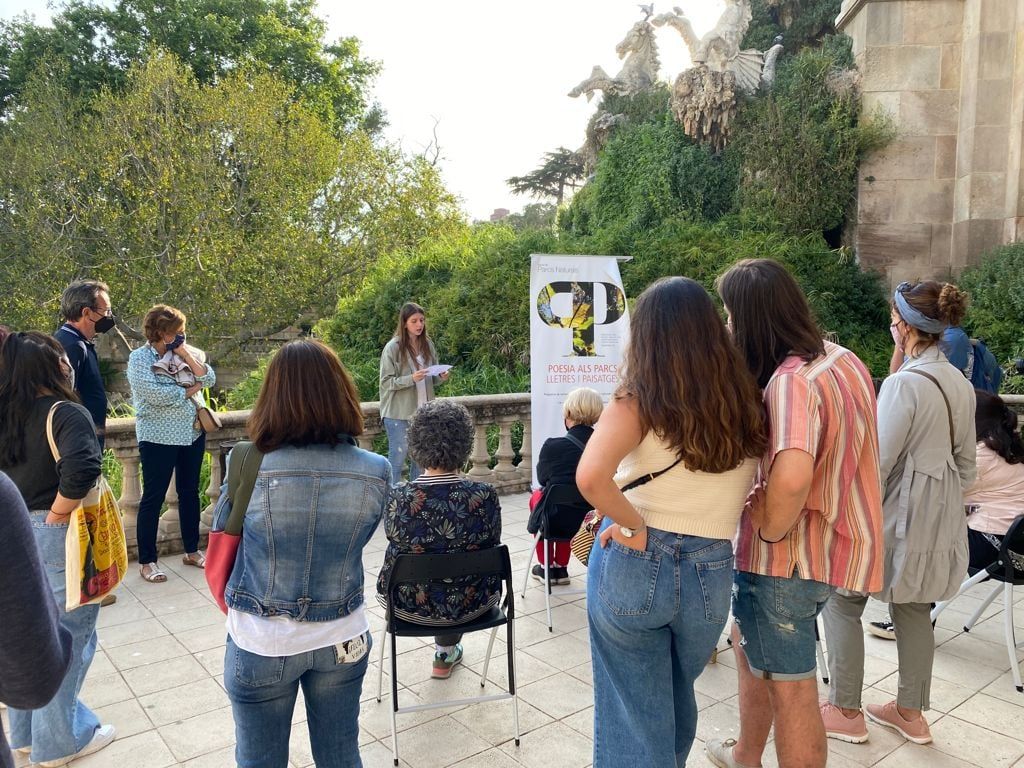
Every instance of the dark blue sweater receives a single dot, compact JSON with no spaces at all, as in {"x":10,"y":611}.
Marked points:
{"x":88,"y":381}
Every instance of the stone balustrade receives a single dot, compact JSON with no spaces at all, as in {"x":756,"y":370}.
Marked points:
{"x":503,"y":411}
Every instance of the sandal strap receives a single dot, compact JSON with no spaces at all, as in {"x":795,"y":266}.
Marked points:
{"x":153,"y":573}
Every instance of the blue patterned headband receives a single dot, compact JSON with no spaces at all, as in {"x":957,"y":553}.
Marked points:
{"x":912,"y":316}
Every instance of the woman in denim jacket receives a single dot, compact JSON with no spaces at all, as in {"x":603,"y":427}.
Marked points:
{"x":295,"y":596}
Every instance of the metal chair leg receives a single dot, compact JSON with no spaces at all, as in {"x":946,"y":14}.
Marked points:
{"x":1011,"y":642}
{"x":529,"y":562}
{"x":547,"y":583}
{"x":822,"y":664}
{"x":380,"y":664}
{"x":940,"y":607}
{"x":981,"y":608}
{"x":487,"y":658}
{"x":394,"y":698}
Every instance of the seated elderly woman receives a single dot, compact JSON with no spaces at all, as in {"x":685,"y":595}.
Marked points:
{"x":441,"y":512}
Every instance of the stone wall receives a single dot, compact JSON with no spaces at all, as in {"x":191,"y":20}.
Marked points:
{"x":951,"y":75}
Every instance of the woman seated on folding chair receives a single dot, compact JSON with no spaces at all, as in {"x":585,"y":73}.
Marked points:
{"x":997,"y":495}
{"x":559,"y":457}
{"x":440,"y":512}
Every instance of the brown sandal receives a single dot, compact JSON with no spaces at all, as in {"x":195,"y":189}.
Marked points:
{"x":151,"y":572}
{"x":195,"y":559}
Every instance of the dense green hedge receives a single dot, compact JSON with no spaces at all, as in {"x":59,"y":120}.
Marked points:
{"x":996,"y":312}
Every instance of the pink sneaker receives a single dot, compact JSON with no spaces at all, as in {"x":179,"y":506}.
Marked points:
{"x":839,"y":726}
{"x":916,"y":731}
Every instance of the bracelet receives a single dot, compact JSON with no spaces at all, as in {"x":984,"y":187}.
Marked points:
{"x":61,"y":514}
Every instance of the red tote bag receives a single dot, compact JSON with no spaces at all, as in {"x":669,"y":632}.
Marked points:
{"x":222,"y":548}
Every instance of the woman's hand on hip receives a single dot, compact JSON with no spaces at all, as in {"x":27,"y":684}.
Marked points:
{"x":637,"y":541}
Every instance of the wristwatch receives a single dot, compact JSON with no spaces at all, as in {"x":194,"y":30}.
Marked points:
{"x":629,"y":533}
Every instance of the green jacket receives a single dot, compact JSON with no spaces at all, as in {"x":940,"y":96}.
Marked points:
{"x":397,"y":389}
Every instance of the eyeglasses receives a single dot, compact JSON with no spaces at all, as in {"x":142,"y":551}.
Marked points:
{"x":108,"y":312}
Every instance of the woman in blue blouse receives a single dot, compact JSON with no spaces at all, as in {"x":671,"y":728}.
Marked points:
{"x":440,"y":512}
{"x":169,"y":441}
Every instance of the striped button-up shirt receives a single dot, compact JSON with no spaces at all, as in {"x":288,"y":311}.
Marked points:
{"x":827,"y":409}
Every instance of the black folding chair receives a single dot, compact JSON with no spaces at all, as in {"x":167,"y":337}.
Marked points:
{"x":1008,"y":569}
{"x":420,"y":569}
{"x":562,"y":511}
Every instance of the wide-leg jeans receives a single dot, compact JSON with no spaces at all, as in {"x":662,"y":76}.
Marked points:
{"x":655,"y":617}
{"x":65,"y":725}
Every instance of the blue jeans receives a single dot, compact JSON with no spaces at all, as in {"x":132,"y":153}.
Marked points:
{"x":398,"y":450}
{"x":655,"y":617}
{"x":158,"y":462}
{"x":777,"y":619}
{"x":65,"y":725}
{"x":262,"y":690}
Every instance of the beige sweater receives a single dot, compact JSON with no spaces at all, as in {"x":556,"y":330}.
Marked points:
{"x":681,"y":500}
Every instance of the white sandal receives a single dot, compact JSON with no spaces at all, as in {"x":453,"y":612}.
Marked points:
{"x":151,"y":572}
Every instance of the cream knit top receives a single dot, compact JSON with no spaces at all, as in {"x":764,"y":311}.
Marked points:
{"x":682,"y":500}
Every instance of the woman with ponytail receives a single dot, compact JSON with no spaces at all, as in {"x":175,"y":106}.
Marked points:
{"x":997,"y":495}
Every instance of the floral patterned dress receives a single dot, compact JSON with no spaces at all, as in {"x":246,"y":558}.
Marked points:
{"x":434,"y":515}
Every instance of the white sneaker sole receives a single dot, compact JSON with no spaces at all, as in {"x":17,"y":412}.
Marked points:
{"x":900,"y":731}
{"x":884,"y":634}
{"x":847,"y":737}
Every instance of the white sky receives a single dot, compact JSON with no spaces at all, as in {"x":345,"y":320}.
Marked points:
{"x":494,"y":77}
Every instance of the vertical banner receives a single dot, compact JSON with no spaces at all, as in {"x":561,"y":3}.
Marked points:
{"x":578,"y":331}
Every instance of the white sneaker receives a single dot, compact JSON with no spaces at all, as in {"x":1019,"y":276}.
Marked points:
{"x":101,"y":738}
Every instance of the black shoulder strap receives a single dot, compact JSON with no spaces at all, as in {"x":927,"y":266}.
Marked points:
{"x":242,"y":471}
{"x":647,"y":478}
{"x":949,"y":410}
{"x":575,"y":441}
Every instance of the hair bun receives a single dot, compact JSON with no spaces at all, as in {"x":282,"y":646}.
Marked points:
{"x":952,"y":304}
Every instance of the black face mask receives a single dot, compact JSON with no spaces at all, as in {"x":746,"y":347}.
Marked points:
{"x":104,"y":324}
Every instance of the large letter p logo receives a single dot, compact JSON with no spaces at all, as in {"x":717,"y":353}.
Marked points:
{"x":582,"y":320}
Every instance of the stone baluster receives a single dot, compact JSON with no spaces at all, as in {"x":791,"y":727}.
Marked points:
{"x":480,"y":460}
{"x":505,"y":469}
{"x":215,"y":449}
{"x":366,"y":442}
{"x":131,"y":490}
{"x":170,"y":521}
{"x":526,"y":452}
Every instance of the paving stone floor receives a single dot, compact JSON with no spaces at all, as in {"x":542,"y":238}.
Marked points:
{"x":158,"y":677}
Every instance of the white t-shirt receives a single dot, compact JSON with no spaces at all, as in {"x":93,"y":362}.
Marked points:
{"x":282,"y":636}
{"x":421,"y":385}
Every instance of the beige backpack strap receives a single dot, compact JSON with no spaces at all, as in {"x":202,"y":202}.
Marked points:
{"x":49,"y":430}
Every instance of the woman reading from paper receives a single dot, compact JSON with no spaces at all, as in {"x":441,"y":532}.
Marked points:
{"x":406,"y":383}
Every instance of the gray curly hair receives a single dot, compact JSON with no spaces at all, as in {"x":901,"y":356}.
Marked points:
{"x":441,"y":435}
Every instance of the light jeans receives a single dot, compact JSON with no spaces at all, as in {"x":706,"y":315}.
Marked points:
{"x":263,"y":689}
{"x":398,"y":450}
{"x":655,"y":617}
{"x":65,"y":725}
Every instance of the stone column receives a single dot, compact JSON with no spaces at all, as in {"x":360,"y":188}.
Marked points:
{"x":480,"y":460}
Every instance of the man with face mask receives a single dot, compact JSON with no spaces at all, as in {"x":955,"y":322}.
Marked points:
{"x":85,"y":307}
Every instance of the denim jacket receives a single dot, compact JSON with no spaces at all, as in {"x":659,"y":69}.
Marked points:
{"x":311,"y":513}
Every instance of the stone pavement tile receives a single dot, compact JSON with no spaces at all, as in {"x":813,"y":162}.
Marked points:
{"x":378,"y":755}
{"x":559,"y":695}
{"x":200,"y":734}
{"x":530,"y":630}
{"x":203,"y":638}
{"x":584,"y":672}
{"x":553,"y":745}
{"x":376,"y":718}
{"x":126,"y":657}
{"x":1004,"y":688}
{"x":212,"y":660}
{"x":561,"y":651}
{"x":492,"y":758}
{"x":994,"y":714}
{"x":529,"y":669}
{"x":164,"y":675}
{"x":876,"y":669}
{"x":184,"y":701}
{"x":439,"y":743}
{"x":993,"y":631}
{"x":972,"y":647}
{"x":221,"y":758}
{"x":492,"y":721}
{"x":881,"y":741}
{"x":131,"y":632}
{"x":122,"y":612}
{"x":945,"y":696}
{"x":193,"y":618}
{"x":150,"y":593}
{"x":719,"y":721}
{"x":717,"y":681}
{"x":917,"y":756}
{"x":144,"y":750}
{"x":105,"y":689}
{"x":127,"y":716}
{"x":974,"y":744}
{"x":972,"y":674}
{"x":181,"y":602}
{"x":582,"y":722}
{"x":101,"y":665}
{"x":300,"y":753}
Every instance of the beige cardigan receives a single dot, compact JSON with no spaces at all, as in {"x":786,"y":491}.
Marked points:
{"x":682,"y":500}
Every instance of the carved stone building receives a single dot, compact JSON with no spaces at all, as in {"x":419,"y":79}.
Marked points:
{"x":949,"y":187}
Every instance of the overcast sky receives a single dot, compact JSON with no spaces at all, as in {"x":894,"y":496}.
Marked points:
{"x":494,"y":77}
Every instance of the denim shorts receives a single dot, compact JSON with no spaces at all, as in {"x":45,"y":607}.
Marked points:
{"x":777,"y":621}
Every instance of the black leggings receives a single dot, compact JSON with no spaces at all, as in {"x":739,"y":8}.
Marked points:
{"x":984,"y":549}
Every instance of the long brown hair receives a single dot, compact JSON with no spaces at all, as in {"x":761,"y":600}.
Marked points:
{"x":771,"y":318}
{"x":407,"y":346}
{"x":688,"y":380}
{"x":307,"y":398}
{"x":30,"y":364}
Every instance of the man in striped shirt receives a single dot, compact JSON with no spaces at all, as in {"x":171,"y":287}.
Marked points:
{"x":814,"y":521}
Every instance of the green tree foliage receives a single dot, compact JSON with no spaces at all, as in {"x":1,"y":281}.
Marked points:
{"x":96,"y":44}
{"x":996,"y":312}
{"x":232,"y":201}
{"x":801,"y":144}
{"x":800,"y":22}
{"x":533,"y":216}
{"x":560,"y":169}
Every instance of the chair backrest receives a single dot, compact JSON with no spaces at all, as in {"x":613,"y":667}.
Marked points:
{"x":561,"y":511}
{"x":566,"y":494}
{"x":1011,"y":553}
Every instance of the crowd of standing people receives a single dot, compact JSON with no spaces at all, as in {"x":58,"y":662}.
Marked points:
{"x":748,"y":471}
